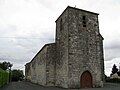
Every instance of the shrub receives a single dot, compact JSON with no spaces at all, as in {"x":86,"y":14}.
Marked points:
{"x":17,"y":75}
{"x":4,"y":77}
{"x":113,"y":80}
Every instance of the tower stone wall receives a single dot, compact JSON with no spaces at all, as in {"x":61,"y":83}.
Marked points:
{"x":79,"y":48}
{"x":62,"y":50}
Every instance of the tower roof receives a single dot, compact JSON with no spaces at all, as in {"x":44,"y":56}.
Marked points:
{"x":69,"y":7}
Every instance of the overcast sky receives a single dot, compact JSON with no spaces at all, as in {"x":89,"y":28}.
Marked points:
{"x":26,"y":25}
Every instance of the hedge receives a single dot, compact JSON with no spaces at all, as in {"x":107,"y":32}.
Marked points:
{"x":4,"y":77}
{"x":113,"y":80}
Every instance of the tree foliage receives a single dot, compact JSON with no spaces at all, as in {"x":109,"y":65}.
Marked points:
{"x":6,"y":65}
{"x":118,"y":73}
{"x":114,"y":69}
{"x":17,"y":75}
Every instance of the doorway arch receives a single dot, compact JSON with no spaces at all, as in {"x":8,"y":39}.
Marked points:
{"x":86,"y":80}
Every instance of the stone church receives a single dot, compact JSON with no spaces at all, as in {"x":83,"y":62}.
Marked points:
{"x":76,"y":58}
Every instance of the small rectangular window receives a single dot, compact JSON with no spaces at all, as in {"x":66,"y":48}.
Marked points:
{"x":84,"y":25}
{"x":61,"y":24}
{"x":84,"y":21}
{"x":84,"y":18}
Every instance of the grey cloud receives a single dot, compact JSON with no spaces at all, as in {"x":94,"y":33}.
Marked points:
{"x":22,"y":50}
{"x":47,"y":3}
{"x":114,"y":43}
{"x":7,"y":30}
{"x":112,"y":50}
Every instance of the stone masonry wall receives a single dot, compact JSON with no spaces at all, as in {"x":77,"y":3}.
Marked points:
{"x":62,"y":50}
{"x":38,"y":67}
{"x":50,"y":64}
{"x":27,"y":71}
{"x":41,"y":69}
{"x":83,"y":48}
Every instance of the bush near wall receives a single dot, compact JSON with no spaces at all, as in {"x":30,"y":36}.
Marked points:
{"x":4,"y":77}
{"x":113,"y":80}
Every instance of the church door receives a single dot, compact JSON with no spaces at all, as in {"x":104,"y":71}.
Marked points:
{"x":86,"y":80}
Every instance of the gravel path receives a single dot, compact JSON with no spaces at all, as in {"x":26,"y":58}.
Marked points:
{"x":30,"y":86}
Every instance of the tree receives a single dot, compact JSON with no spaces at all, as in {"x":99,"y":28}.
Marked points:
{"x":6,"y":65}
{"x":17,"y":75}
{"x":118,"y":73}
{"x":114,"y":69}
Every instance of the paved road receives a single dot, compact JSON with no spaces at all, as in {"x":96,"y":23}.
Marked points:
{"x":30,"y":86}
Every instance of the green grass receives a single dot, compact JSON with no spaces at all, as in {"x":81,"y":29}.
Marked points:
{"x":4,"y":77}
